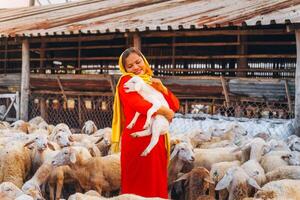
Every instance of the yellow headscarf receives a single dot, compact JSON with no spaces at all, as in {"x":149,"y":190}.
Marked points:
{"x":118,"y":115}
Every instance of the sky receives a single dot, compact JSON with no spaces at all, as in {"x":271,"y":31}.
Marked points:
{"x":25,"y":3}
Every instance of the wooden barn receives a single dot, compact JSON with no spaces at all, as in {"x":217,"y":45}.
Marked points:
{"x":60,"y":61}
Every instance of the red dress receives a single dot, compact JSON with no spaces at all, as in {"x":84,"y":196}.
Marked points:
{"x":144,"y":176}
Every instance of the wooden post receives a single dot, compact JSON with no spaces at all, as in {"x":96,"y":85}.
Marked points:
{"x":297,"y":86}
{"x":288,"y":96}
{"x":79,"y":111}
{"x":224,"y":85}
{"x":43,"y":109}
{"x":137,"y":41}
{"x":186,"y":107}
{"x":42,"y":56}
{"x":25,"y":80}
{"x":31,"y":3}
{"x":242,"y":62}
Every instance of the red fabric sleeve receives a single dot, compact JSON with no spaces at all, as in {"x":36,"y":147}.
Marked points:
{"x":133,"y":99}
{"x":172,"y":101}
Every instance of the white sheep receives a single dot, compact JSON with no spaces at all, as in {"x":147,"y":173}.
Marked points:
{"x":79,"y":196}
{"x":237,"y":182}
{"x":207,"y":157}
{"x":285,"y":172}
{"x":273,"y":160}
{"x":99,"y":173}
{"x":89,"y":127}
{"x":218,"y":171}
{"x":11,"y":191}
{"x":285,"y":189}
{"x":158,"y":124}
{"x":255,"y":171}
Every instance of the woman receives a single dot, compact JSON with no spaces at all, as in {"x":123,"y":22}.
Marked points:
{"x":142,"y":175}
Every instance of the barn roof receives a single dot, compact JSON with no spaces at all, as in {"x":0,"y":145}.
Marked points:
{"x":102,"y":16}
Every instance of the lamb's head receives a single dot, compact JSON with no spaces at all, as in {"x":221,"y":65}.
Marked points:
{"x":104,"y":133}
{"x":60,"y":127}
{"x":184,"y":150}
{"x":294,"y":144}
{"x":10,"y":189}
{"x":33,"y":190}
{"x":292,"y":158}
{"x":63,"y":139}
{"x":64,"y":157}
{"x":89,"y":127}
{"x":134,"y":84}
{"x":41,"y":142}
{"x":237,"y":180}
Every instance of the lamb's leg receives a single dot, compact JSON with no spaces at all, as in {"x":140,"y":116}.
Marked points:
{"x":133,"y":121}
{"x":59,"y":185}
{"x":141,"y":133}
{"x":158,"y":128}
{"x":51,"y":190}
{"x":150,"y":112}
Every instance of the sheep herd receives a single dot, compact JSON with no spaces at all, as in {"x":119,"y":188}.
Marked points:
{"x":42,"y":161}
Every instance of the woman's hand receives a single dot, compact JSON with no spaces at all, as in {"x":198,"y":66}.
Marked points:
{"x":166,"y":112}
{"x":158,"y":85}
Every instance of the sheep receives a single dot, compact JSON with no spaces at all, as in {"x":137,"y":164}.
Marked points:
{"x":207,"y":157}
{"x":89,"y":128}
{"x":61,"y":127}
{"x":253,"y":150}
{"x":273,"y":160}
{"x":158,"y":124}
{"x":105,"y":144}
{"x":15,"y":163}
{"x":181,"y":154}
{"x":255,"y":171}
{"x":218,"y":171}
{"x":100,"y":173}
{"x":79,"y":196}
{"x":285,"y":172}
{"x":36,"y":120}
{"x":281,"y":189}
{"x":23,"y":126}
{"x":237,"y":182}
{"x":32,"y":186}
{"x":198,"y":182}
{"x":10,"y":190}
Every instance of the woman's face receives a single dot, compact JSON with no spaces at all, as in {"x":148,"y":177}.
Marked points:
{"x":135,"y":64}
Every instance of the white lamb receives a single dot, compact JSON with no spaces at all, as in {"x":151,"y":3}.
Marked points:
{"x":158,"y":124}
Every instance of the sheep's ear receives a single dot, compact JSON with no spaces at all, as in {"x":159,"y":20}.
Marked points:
{"x":183,"y":177}
{"x":50,"y":145}
{"x":73,"y":157}
{"x":95,"y":151}
{"x":29,"y":143}
{"x":253,"y":183}
{"x":99,"y":140}
{"x":71,"y":139}
{"x":94,"y":128}
{"x":83,"y":129}
{"x":224,"y":182}
{"x":174,"y":153}
{"x":137,"y":87}
{"x":208,"y":180}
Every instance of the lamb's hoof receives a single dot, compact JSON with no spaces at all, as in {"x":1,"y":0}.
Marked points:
{"x":134,"y":135}
{"x":130,"y":126}
{"x":145,"y":153}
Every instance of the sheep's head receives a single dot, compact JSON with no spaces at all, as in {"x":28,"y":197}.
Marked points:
{"x":33,"y":190}
{"x":63,"y":139}
{"x":10,"y":189}
{"x":134,"y":84}
{"x":64,"y":157}
{"x":184,"y":151}
{"x":41,"y":142}
{"x":89,"y":127}
{"x":292,"y":158}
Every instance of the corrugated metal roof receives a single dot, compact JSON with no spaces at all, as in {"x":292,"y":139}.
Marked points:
{"x":129,"y":15}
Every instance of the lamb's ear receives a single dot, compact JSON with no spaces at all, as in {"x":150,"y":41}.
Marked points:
{"x":224,"y":182}
{"x":73,"y":157}
{"x":137,"y":86}
{"x":83,"y":129}
{"x":208,"y":180}
{"x":183,"y":177}
{"x":50,"y":145}
{"x":253,"y":183}
{"x":175,"y":151}
{"x":29,"y":143}
{"x":94,"y":128}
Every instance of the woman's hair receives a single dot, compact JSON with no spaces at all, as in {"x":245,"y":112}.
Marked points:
{"x":129,"y":51}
